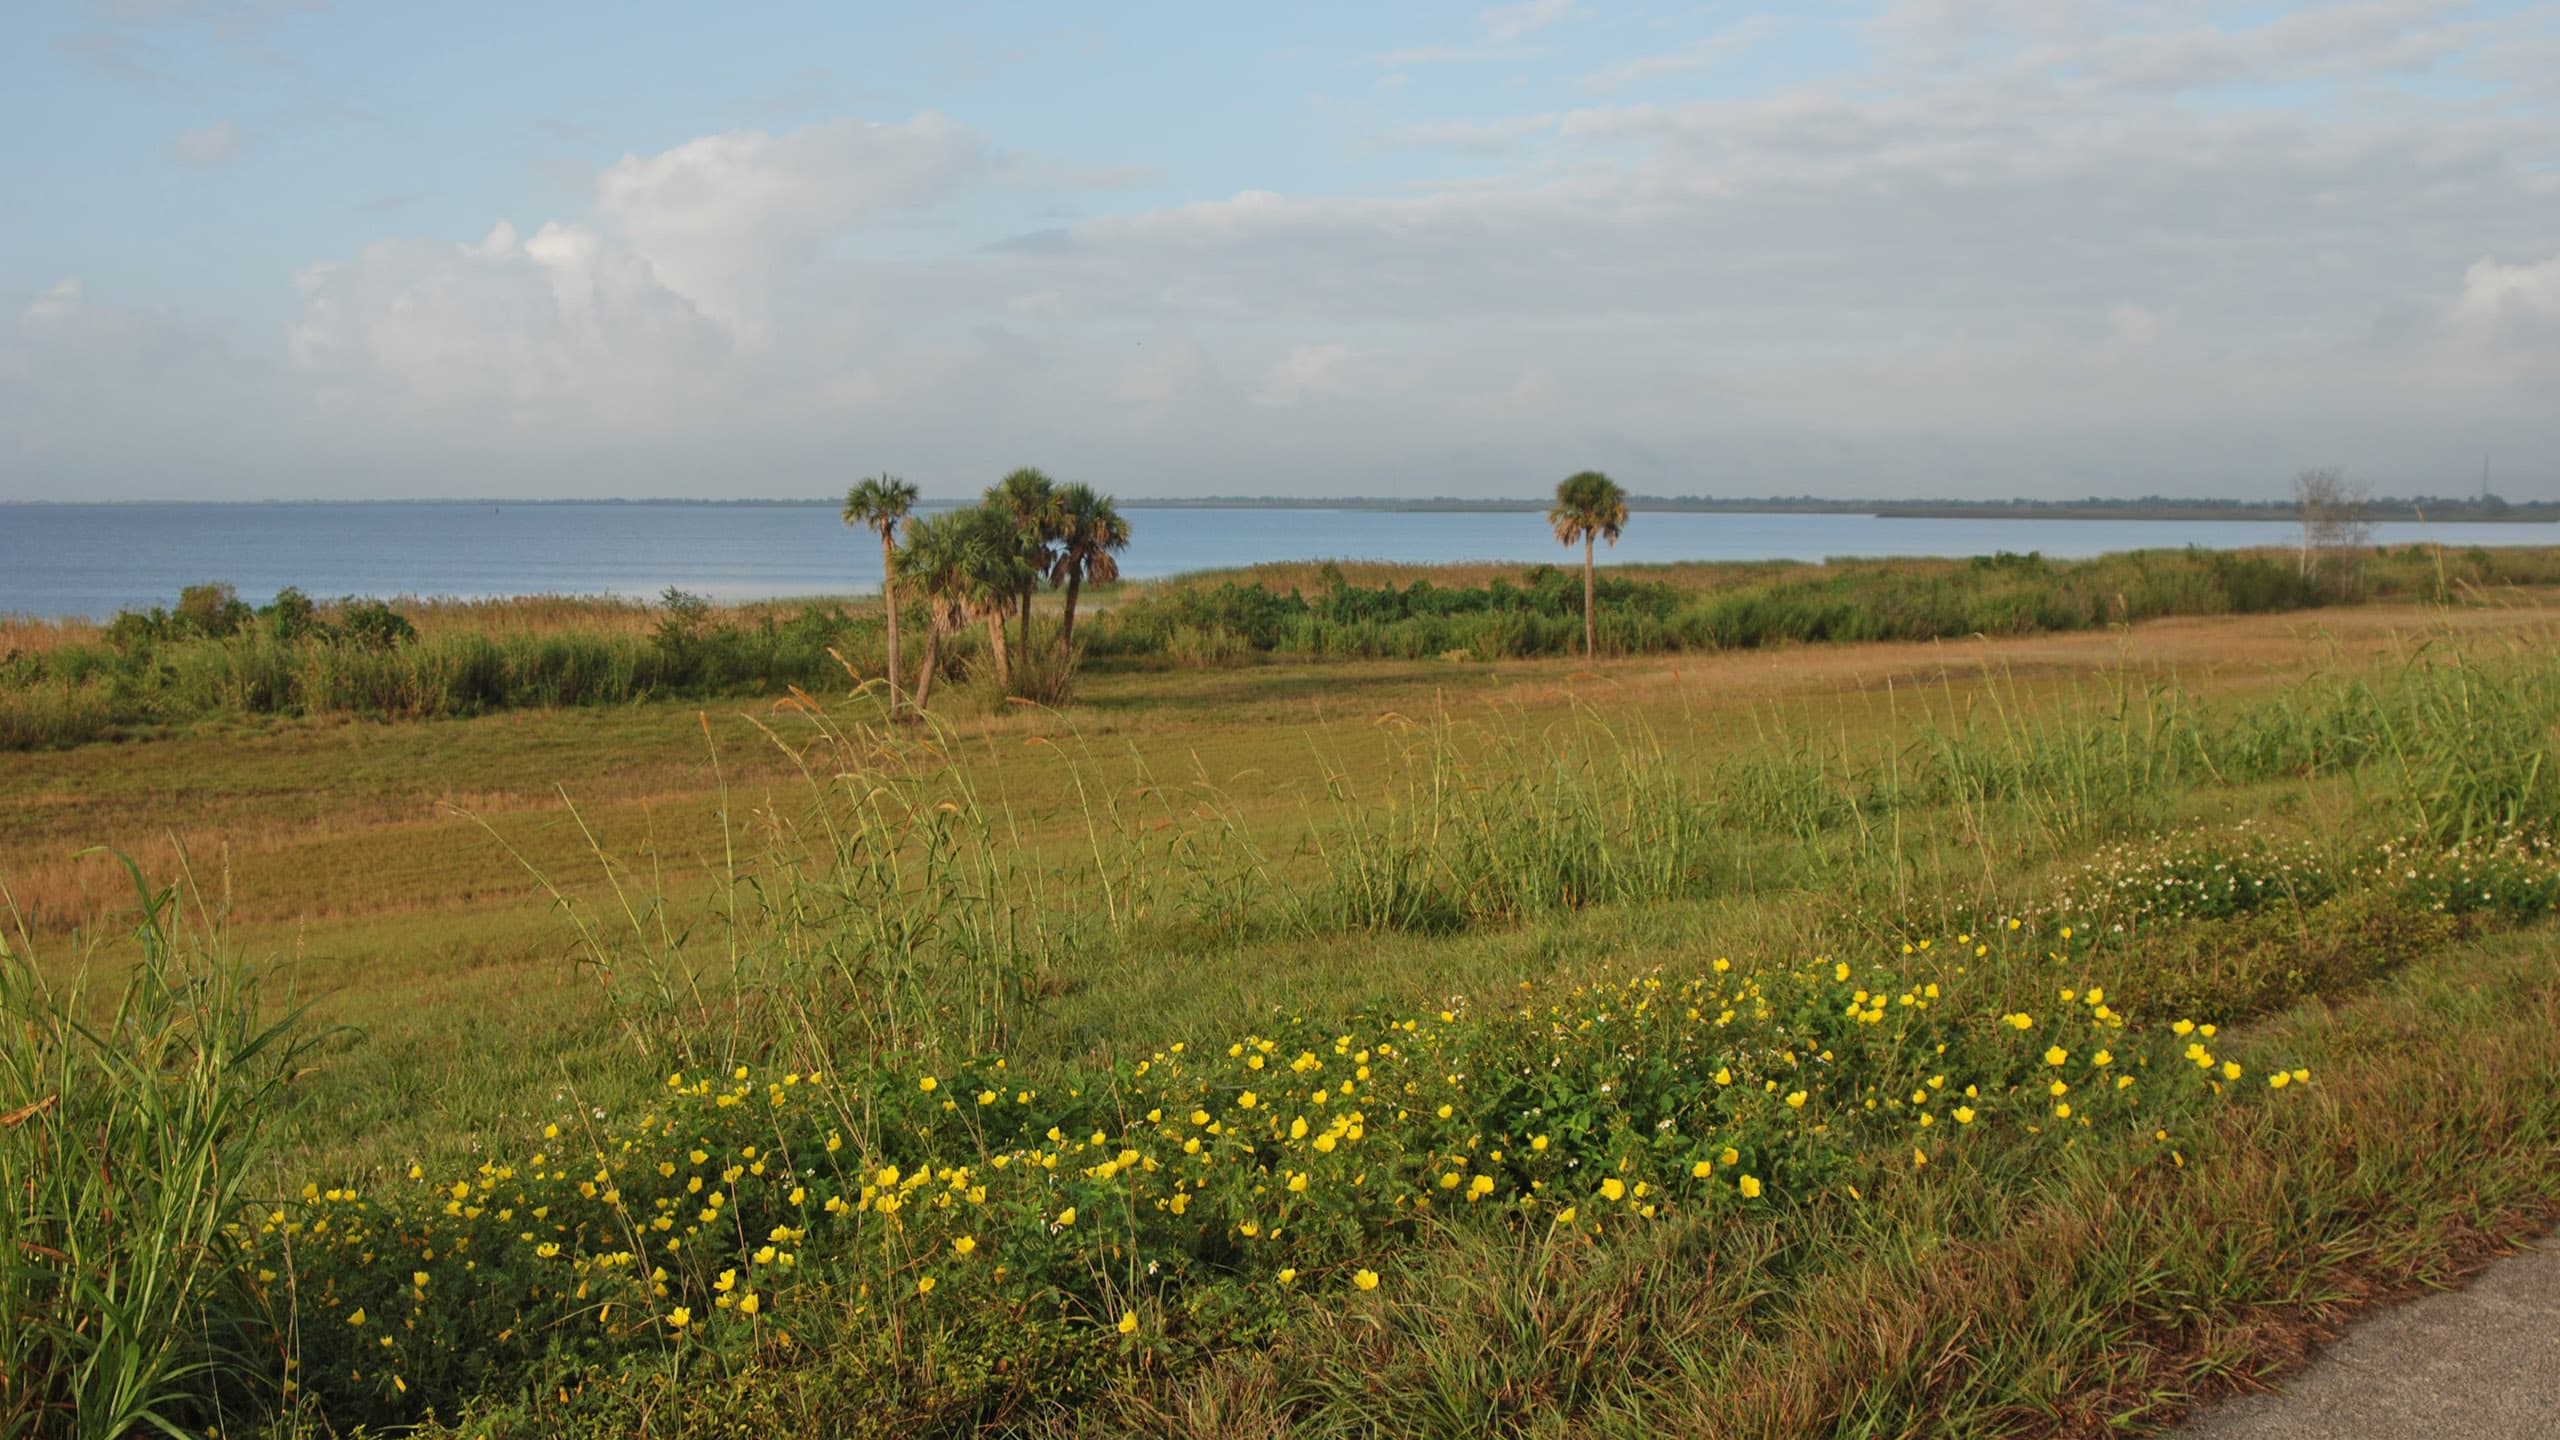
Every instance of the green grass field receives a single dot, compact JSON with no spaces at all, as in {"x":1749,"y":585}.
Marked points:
{"x":1662,"y":1045}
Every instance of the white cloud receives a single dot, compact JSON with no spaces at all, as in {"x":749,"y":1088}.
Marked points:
{"x":54,"y":303}
{"x":720,"y":218}
{"x":1306,"y":370}
{"x":2510,"y":300}
{"x":558,"y":327}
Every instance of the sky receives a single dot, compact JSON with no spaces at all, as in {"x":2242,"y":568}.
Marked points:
{"x":280,"y":249}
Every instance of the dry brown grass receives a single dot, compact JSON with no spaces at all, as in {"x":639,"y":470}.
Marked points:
{"x":33,"y":635}
{"x":527,"y":614}
{"x":339,"y":820}
{"x":579,"y":614}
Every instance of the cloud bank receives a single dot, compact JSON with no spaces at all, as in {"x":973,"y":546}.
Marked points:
{"x":2010,"y":249}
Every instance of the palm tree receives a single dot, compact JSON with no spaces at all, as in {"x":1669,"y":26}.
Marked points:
{"x":1089,"y":530}
{"x":994,"y":573}
{"x":1588,"y":505}
{"x":1028,"y":499}
{"x":883,"y":503}
{"x":964,"y":563}
{"x":932,"y":559}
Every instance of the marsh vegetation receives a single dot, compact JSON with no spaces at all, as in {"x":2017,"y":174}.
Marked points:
{"x":216,"y":659}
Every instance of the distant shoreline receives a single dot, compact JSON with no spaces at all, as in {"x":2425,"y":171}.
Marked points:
{"x":2278,"y":512}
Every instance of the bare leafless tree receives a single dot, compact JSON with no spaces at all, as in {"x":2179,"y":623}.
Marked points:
{"x":2334,"y":529}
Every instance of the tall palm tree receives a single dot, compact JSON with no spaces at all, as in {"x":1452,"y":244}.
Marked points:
{"x":933,"y":559}
{"x":1089,"y":531}
{"x":883,"y":503}
{"x":1028,"y":499}
{"x":965,"y":563}
{"x":1589,"y":505}
{"x":994,"y":573}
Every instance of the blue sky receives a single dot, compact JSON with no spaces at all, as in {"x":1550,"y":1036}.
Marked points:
{"x":274,"y":249}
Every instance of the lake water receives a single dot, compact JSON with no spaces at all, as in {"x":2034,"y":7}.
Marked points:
{"x":92,"y":560}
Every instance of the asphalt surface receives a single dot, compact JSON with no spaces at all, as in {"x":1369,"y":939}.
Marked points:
{"x":2479,"y":1363}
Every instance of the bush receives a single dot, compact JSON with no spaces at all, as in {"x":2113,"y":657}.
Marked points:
{"x":1042,"y":675}
{"x":372,"y":625}
{"x":212,"y":610}
{"x":291,"y":617}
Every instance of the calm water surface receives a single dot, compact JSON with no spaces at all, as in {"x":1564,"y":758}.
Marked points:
{"x":92,"y":560}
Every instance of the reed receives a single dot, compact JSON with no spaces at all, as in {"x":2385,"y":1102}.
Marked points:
{"x":136,"y":1147}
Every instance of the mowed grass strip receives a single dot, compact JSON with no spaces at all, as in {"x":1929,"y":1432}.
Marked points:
{"x":280,"y":804}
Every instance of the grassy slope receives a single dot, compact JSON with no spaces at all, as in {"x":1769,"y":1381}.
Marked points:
{"x":415,"y":926}
{"x":328,"y":820}
{"x":2110,"y":1297}
{"x":358,"y":851}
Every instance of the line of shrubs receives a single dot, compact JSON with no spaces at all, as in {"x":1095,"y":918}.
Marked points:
{"x":1839,"y":601}
{"x":215,"y":611}
{"x":215,"y":655}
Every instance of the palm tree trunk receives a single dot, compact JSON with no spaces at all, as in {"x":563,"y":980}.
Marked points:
{"x":1067,"y":623}
{"x":889,"y":602}
{"x":1590,"y":627}
{"x":932,"y":661}
{"x":995,"y":642}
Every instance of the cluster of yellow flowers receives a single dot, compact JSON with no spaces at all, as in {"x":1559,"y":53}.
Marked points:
{"x":1276,"y":1158}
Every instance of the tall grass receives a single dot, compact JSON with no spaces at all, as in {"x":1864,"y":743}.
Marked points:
{"x":1462,"y":835}
{"x":77,"y":693}
{"x":889,"y":904}
{"x":134,"y":1145}
{"x":61,"y":687}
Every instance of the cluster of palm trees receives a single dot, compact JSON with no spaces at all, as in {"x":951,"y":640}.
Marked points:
{"x":984,"y":563}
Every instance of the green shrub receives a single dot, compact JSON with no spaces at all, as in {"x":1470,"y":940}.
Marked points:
{"x":291,"y":617}
{"x":212,"y":611}
{"x":372,"y":625}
